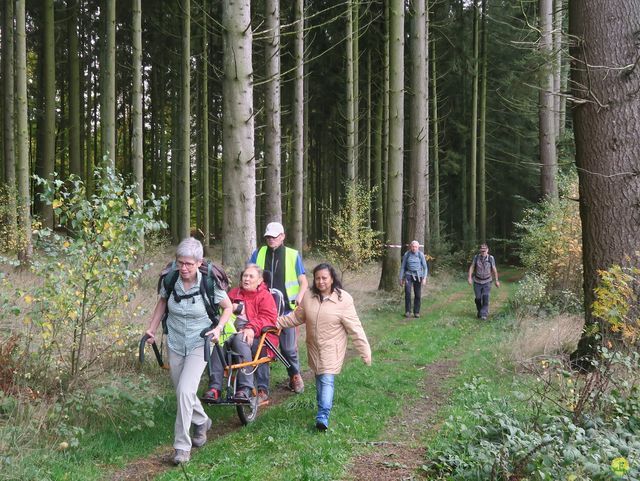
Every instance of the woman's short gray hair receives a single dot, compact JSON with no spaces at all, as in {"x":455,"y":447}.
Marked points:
{"x":250,"y":265}
{"x":190,"y":247}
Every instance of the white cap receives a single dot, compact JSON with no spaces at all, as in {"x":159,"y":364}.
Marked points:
{"x":274,"y":229}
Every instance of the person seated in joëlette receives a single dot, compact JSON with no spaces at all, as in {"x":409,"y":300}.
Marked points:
{"x":255,"y":309}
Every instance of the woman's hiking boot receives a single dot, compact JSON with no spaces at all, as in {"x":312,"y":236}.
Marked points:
{"x":181,"y":456}
{"x":200,"y":433}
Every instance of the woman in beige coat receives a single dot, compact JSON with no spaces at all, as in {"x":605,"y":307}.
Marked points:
{"x":329,"y":314}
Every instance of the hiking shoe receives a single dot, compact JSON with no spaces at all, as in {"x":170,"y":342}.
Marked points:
{"x":241,"y":396}
{"x":211,"y":396}
{"x":296,"y":384}
{"x":263,"y":397}
{"x":416,"y":315}
{"x":407,"y":314}
{"x":483,"y":318}
{"x":320,"y":426}
{"x":181,"y":456}
{"x":200,"y":433}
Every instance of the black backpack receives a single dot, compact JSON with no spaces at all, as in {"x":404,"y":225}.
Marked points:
{"x":212,"y":276}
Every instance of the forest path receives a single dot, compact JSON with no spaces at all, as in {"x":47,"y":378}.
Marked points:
{"x":401,"y":452}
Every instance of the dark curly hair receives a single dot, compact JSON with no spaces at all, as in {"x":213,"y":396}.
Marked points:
{"x":336,"y":285}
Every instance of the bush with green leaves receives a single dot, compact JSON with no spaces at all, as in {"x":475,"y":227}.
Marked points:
{"x":353,"y":242}
{"x":78,"y":314}
{"x":566,"y":426}
{"x":117,"y":403}
{"x":551,"y":248}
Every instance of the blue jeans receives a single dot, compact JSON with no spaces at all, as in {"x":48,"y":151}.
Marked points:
{"x":324,"y":396}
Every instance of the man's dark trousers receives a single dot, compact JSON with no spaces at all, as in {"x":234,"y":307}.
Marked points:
{"x":415,"y":283}
{"x":481,"y":292}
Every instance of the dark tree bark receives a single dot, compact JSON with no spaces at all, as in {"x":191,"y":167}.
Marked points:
{"x":9,"y":114}
{"x":606,"y":82}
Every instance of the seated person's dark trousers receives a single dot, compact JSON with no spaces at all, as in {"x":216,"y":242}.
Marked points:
{"x":244,"y":354}
{"x":416,"y":284}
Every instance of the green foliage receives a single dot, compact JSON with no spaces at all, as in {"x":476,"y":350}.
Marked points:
{"x":354,"y":242}
{"x":551,"y":250}
{"x":120,"y":404}
{"x":544,"y":438}
{"x":617,"y":301}
{"x":77,"y":314}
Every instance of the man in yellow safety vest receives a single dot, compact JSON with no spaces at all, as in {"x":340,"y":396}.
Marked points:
{"x":287,"y":275}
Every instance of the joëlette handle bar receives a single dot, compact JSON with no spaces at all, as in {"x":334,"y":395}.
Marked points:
{"x":156,"y":351}
{"x":207,"y":351}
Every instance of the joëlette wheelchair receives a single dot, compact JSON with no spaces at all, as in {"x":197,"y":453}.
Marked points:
{"x":247,"y":410}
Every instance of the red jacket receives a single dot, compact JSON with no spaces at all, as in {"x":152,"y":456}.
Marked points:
{"x":259,"y":309}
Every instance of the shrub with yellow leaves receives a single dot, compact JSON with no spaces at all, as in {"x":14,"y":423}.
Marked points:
{"x":88,"y":275}
{"x":551,"y":247}
{"x":617,"y":302}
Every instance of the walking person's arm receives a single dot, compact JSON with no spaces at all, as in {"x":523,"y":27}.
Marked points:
{"x":495,"y":274}
{"x":402,"y":269}
{"x":302,"y":280}
{"x":156,"y":317}
{"x":425,"y":268}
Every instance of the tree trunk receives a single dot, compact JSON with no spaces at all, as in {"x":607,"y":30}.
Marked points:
{"x":366,"y":164}
{"x":273,"y":129}
{"x":25,"y":248}
{"x":239,"y":207}
{"x":350,"y":120}
{"x":47,"y":125}
{"x":355,"y":17}
{"x":175,"y":169}
{"x":376,"y":174}
{"x":482,"y":174}
{"x":297,"y":131}
{"x":204,"y":131}
{"x":136,"y":100}
{"x":9,"y":115}
{"x":558,"y":13}
{"x":385,"y":115}
{"x":184,"y":176}
{"x":391,"y":259}
{"x":436,"y":148}
{"x":419,"y":137}
{"x":75,"y":157}
{"x":473,"y":159}
{"x":606,"y":123}
{"x":108,"y":95}
{"x":548,"y":160}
